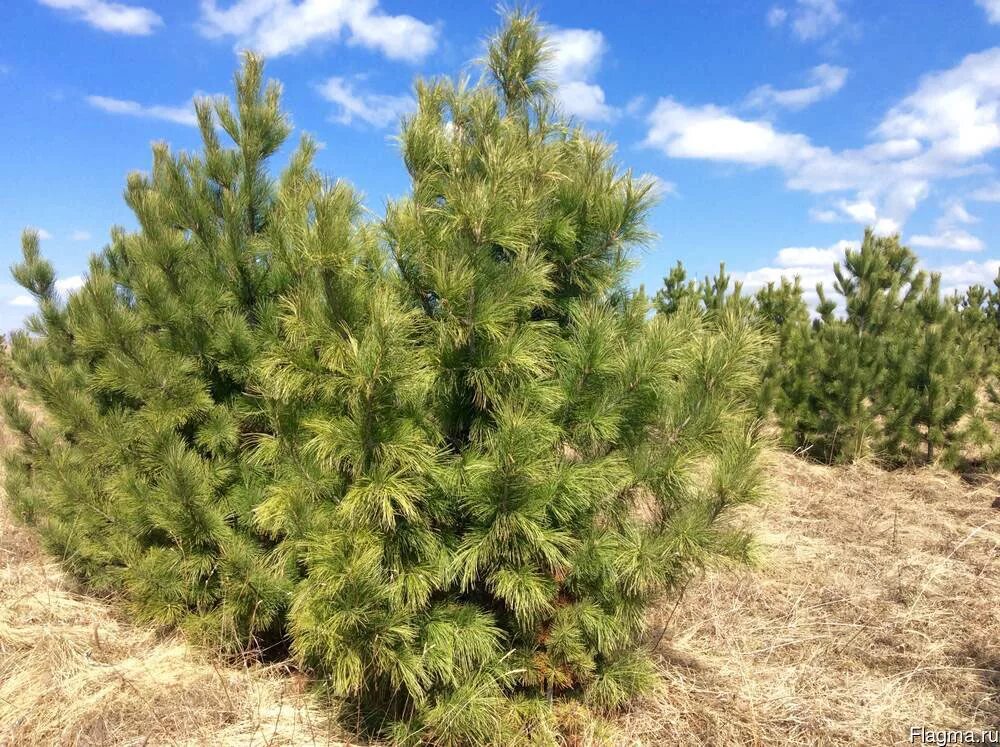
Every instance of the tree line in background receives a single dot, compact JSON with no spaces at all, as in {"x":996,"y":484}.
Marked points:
{"x":445,"y":458}
{"x":891,"y":369}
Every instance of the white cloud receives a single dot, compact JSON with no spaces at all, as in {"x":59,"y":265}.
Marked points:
{"x":955,"y":239}
{"x":811,"y":256}
{"x":776,"y":16}
{"x":64,"y":286}
{"x":576,"y":53}
{"x":584,"y":100}
{"x":278,"y":27}
{"x":183,"y":114}
{"x":108,"y":16}
{"x":814,"y":265}
{"x":955,"y":212}
{"x":43,"y":235}
{"x":943,"y":129}
{"x":955,"y":113}
{"x":988,"y":193}
{"x":709,"y":132}
{"x":948,"y":233}
{"x":810,"y":264}
{"x":80,"y":236}
{"x":861,"y":211}
{"x":808,"y":19}
{"x":958,"y":277}
{"x":825,"y":80}
{"x":576,"y":58}
{"x":992,"y":8}
{"x":376,"y":109}
{"x":661,"y":187}
{"x":635,"y":106}
{"x":70,"y":284}
{"x":823,"y":216}
{"x":893,"y":148}
{"x":886,"y":227}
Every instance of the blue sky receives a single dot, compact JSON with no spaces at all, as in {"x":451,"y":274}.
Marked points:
{"x":778,"y":130}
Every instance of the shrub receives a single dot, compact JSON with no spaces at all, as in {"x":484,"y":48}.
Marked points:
{"x":447,"y":458}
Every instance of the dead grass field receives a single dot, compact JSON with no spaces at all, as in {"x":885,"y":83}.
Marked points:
{"x":72,"y":672}
{"x":876,"y":606}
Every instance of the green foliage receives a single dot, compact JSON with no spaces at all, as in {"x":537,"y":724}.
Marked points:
{"x":711,"y":294}
{"x":784,"y":313}
{"x":447,"y":459}
{"x":896,"y":374}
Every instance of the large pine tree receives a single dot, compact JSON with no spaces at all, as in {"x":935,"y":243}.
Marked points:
{"x":448,"y":458}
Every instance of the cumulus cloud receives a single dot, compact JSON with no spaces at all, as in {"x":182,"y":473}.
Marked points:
{"x":955,"y":212}
{"x":809,"y":20}
{"x":115,"y":18}
{"x":183,"y":114}
{"x":576,"y":58}
{"x":776,"y":16}
{"x":42,"y":233}
{"x":954,"y":114}
{"x":811,"y":256}
{"x":70,"y":284}
{"x":823,"y":216}
{"x":992,"y":8}
{"x":944,"y":128}
{"x":824,"y":81}
{"x":810,"y":264}
{"x":710,"y":132}
{"x":948,"y":231}
{"x":958,"y":277}
{"x":278,"y":27}
{"x":860,"y":211}
{"x":376,"y":109}
{"x":80,"y":236}
{"x":987,"y":193}
{"x":955,"y":239}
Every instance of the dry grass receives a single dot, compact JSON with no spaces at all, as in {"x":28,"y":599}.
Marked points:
{"x":72,"y":673}
{"x":876,"y":607}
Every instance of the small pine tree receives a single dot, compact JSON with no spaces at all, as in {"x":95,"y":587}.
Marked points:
{"x":711,"y":294}
{"x":138,"y":476}
{"x":785,"y":381}
{"x":676,"y":291}
{"x":896,"y":376}
{"x":942,"y":372}
{"x":448,"y":459}
{"x":855,"y":360}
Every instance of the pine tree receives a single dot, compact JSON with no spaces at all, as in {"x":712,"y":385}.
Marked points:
{"x":857,"y":393}
{"x":943,"y":372}
{"x":711,"y":294}
{"x":554,"y":406}
{"x":895,"y":376}
{"x":676,"y":291}
{"x":448,"y":458}
{"x":786,"y":383}
{"x":138,"y":478}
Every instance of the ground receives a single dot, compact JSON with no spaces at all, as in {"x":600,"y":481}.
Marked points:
{"x":874,"y":607}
